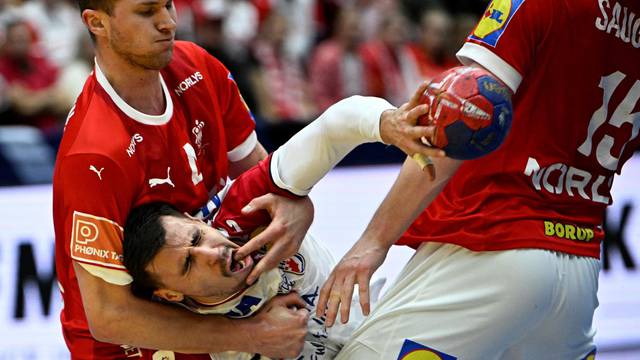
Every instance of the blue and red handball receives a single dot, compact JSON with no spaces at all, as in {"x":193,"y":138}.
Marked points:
{"x":471,"y":110}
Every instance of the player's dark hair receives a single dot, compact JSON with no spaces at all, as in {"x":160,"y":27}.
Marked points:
{"x":144,"y":236}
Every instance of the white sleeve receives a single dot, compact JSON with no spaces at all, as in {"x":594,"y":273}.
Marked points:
{"x":112,"y":276}
{"x":303,"y":160}
{"x":243,"y":150}
{"x":471,"y":52}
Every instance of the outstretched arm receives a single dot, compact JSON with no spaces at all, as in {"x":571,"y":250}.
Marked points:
{"x":310,"y":154}
{"x":303,"y":160}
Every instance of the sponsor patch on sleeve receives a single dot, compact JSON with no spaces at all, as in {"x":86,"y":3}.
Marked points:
{"x":495,"y":20}
{"x":412,"y":350}
{"x":96,"y":240}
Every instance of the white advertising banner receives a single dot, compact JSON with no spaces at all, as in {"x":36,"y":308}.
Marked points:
{"x":345,"y":201}
{"x":30,"y":301}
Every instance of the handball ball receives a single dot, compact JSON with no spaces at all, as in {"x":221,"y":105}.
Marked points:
{"x":471,"y":111}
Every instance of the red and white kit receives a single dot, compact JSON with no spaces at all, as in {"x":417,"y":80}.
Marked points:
{"x":90,"y":216}
{"x":507,"y":263}
{"x":557,"y":164}
{"x":113,"y":158}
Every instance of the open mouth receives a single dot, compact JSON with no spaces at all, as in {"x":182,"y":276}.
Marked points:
{"x":236,"y":266}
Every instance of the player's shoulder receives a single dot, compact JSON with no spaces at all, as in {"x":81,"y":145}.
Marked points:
{"x":95,"y":126}
{"x":192,"y":64}
{"x":185,"y":53}
{"x":188,"y":54}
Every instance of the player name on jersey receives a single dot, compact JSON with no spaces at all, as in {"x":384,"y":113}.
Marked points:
{"x":619,"y":21}
{"x":569,"y":180}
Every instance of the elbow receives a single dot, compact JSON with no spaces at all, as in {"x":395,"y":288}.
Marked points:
{"x":102,"y":328}
{"x":103,"y":321}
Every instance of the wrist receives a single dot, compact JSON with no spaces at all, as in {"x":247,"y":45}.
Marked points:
{"x":376,"y":241}
{"x":385,"y":119}
{"x":244,"y":334}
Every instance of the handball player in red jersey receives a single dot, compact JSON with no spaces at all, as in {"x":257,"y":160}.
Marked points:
{"x":508,"y":245}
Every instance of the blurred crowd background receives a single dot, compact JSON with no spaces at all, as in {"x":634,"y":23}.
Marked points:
{"x":291,"y":59}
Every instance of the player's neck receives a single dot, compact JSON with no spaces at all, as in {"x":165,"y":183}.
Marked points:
{"x":138,"y":87}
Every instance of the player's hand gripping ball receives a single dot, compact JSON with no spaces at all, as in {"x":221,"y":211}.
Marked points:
{"x":471,"y":111}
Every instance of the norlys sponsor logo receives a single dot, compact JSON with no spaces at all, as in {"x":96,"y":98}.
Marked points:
{"x":187,"y":83}
{"x":135,"y":139}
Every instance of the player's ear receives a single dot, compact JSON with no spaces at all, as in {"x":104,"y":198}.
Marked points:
{"x":192,"y":217}
{"x":169,"y":295}
{"x":94,"y":20}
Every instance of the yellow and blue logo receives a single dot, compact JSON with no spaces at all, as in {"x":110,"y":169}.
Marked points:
{"x":495,"y":20}
{"x":411,"y":350}
{"x":591,"y":355}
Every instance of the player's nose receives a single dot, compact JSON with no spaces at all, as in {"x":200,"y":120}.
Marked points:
{"x":166,"y":22}
{"x":211,"y":255}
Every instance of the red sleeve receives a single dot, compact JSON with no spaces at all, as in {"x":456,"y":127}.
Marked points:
{"x":252,"y":183}
{"x":507,"y":36}
{"x":238,"y":120}
{"x":93,"y":199}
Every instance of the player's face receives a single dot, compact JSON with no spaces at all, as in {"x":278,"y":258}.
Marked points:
{"x":197,"y":261}
{"x":142,"y":32}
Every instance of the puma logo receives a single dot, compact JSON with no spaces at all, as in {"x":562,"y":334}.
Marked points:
{"x":154,"y":181}
{"x":93,"y":168}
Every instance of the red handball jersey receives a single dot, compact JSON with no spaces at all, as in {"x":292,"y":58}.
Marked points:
{"x":253,"y":183}
{"x":576,"y":68}
{"x":113,"y":158}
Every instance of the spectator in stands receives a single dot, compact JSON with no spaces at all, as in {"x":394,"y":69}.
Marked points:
{"x":429,"y":56}
{"x":336,"y":68}
{"x":74,"y":74}
{"x":211,"y":33}
{"x":284,"y":102}
{"x":239,"y":26}
{"x":8,"y":11}
{"x":185,"y":10}
{"x":372,"y":14}
{"x":58,"y":27}
{"x":302,"y":26}
{"x":464,"y":23}
{"x":29,"y":80}
{"x":382,"y":65}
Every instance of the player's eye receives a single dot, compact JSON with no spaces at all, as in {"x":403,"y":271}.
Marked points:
{"x":187,"y":263}
{"x":196,"y":237}
{"x":169,"y":4}
{"x":147,"y":12}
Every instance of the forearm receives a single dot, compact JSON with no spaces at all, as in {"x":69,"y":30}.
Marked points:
{"x":158,"y":326}
{"x":311,"y":153}
{"x":116,"y":316}
{"x":411,"y":193}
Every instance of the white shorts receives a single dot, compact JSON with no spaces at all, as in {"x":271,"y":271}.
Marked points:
{"x":453,"y":303}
